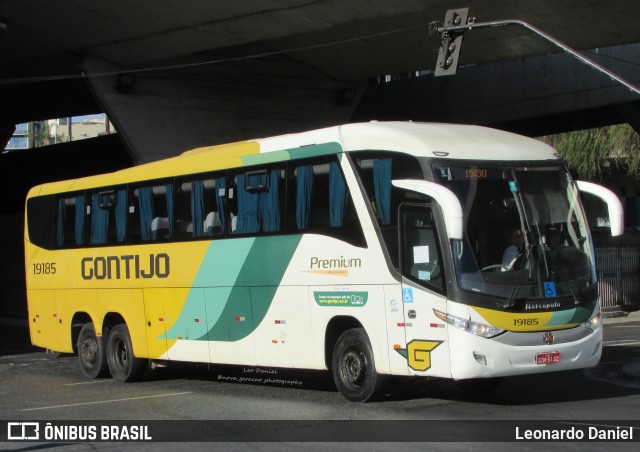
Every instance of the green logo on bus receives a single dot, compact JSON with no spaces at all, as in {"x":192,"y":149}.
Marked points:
{"x":357,"y":299}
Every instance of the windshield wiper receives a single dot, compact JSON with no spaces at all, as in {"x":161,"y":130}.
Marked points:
{"x":563,"y":276}
{"x":511,"y":301}
{"x":541,"y":247}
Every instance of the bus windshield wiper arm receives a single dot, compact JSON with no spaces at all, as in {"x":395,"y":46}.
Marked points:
{"x":512,"y":297}
{"x":563,"y":277}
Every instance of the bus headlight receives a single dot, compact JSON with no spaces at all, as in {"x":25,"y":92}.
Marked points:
{"x":479,"y":329}
{"x":594,"y":322}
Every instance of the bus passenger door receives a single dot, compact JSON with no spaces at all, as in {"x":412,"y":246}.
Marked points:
{"x":423,"y":289}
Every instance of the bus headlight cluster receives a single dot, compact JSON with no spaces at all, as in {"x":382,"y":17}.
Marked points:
{"x":594,"y":322}
{"x":479,"y":329}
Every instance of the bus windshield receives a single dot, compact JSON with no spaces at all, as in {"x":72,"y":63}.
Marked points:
{"x":525,"y":234}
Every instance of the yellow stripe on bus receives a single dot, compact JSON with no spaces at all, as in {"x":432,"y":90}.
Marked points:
{"x":518,"y":321}
{"x":192,"y":162}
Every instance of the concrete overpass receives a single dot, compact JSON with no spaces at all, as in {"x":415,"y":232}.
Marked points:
{"x":534,"y":96}
{"x":182,"y":74}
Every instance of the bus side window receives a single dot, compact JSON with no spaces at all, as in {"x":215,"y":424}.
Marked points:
{"x":41,"y":214}
{"x":108,"y":211}
{"x":421,"y":258}
{"x":377,"y":170}
{"x":200,"y":208}
{"x":151,"y":213}
{"x":257,"y":205}
{"x":214,"y":221}
{"x":319,"y":201}
{"x":70,"y":224}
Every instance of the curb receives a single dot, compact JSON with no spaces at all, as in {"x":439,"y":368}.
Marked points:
{"x":614,"y":314}
{"x":619,"y":316}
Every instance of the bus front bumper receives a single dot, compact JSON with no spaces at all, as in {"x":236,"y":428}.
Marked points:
{"x":523,"y":353}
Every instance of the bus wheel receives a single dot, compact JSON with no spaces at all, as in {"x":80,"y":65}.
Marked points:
{"x":123,"y":365}
{"x":354,"y":370}
{"x":91,"y":356}
{"x":479,"y":386}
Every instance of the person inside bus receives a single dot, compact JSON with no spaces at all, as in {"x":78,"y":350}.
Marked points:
{"x":514,"y":250}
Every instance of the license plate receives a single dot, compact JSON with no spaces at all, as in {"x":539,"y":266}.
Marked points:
{"x":548,"y":358}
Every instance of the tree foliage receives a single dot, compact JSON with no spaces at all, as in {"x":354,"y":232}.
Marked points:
{"x":589,"y":153}
{"x":40,"y":134}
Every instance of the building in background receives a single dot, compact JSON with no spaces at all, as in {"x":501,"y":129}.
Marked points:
{"x":20,"y":138}
{"x":61,"y":130}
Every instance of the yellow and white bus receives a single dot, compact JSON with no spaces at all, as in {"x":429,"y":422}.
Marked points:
{"x":370,"y":249}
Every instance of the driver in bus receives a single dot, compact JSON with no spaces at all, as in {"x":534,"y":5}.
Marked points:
{"x":513,"y":250}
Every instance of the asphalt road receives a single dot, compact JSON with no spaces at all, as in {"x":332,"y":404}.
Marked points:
{"x":303,"y":406}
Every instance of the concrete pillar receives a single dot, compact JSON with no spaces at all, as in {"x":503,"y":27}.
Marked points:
{"x":160,"y":114}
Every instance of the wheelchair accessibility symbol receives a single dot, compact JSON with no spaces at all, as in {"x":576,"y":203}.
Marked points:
{"x":549,"y":289}
{"x":407,"y":295}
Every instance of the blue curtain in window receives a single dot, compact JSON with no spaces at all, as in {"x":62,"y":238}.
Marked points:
{"x":304,"y":195}
{"x":145,"y":204}
{"x":79,"y":223}
{"x":248,"y":209}
{"x":169,"y":191}
{"x":121,"y":215}
{"x":197,"y":207}
{"x":99,"y":221}
{"x":60,"y":224}
{"x":270,"y":204}
{"x":337,"y":196}
{"x":382,"y":186}
{"x":220,"y":197}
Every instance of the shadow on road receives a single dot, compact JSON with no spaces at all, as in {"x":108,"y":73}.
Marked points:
{"x":14,"y":337}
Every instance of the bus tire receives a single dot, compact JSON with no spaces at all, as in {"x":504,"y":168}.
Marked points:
{"x":353,"y":367}
{"x":123,"y":365}
{"x":479,"y":386}
{"x":91,"y":353}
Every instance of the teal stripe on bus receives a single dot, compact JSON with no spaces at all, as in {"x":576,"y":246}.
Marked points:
{"x":236,"y":283}
{"x":580,"y":314}
{"x":290,"y":154}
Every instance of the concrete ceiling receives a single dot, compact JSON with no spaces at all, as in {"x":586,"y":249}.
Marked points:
{"x":347,"y":40}
{"x":287,"y":59}
{"x":212,"y":71}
